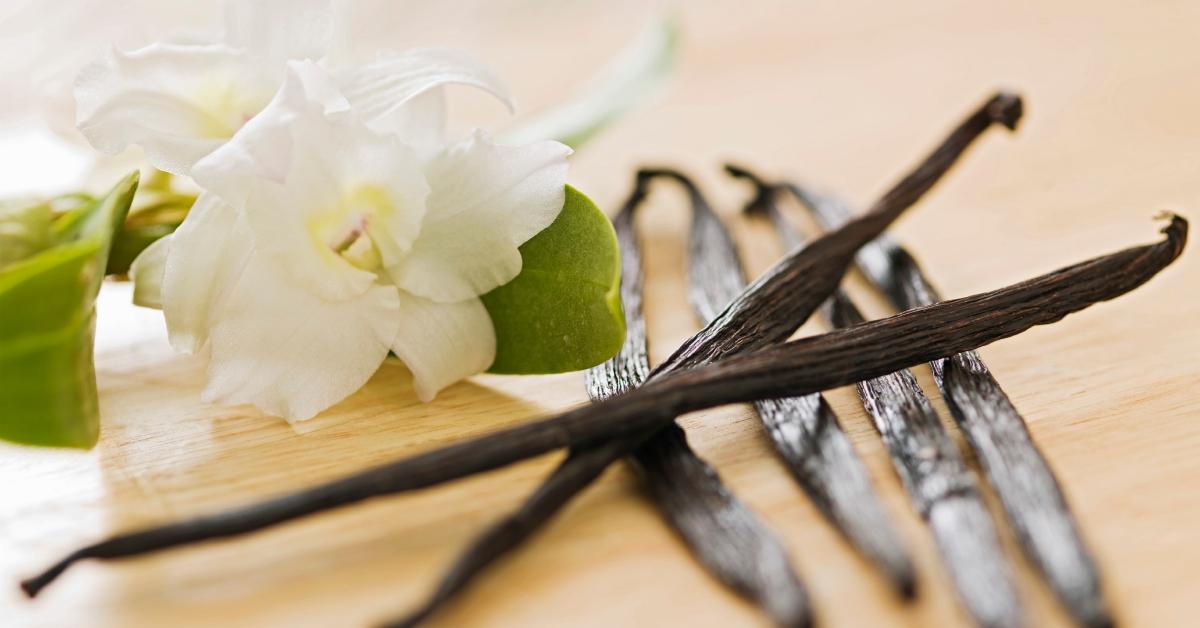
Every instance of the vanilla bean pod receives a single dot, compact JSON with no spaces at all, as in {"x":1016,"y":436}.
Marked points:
{"x":577,"y":471}
{"x":996,"y":431}
{"x":799,"y":367}
{"x":939,"y":483}
{"x":942,"y":488}
{"x":804,"y":430}
{"x":628,"y":368}
{"x":791,"y":290}
{"x":1004,"y":109}
{"x":720,"y":531}
{"x":774,"y":306}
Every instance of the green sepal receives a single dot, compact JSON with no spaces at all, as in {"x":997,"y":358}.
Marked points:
{"x":24,"y":230}
{"x":157,"y":212}
{"x":563,"y":311}
{"x":47,"y":327}
{"x":131,"y":241}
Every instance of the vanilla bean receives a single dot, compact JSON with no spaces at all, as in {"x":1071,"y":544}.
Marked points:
{"x":941,"y":487}
{"x":769,"y":311}
{"x":785,"y":295}
{"x":720,"y":531}
{"x":625,"y":370}
{"x":995,"y":430}
{"x":764,"y":315}
{"x":577,"y":471}
{"x":804,"y":430}
{"x":795,"y":368}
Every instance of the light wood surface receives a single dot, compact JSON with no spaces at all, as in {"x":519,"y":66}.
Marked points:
{"x":845,"y":95}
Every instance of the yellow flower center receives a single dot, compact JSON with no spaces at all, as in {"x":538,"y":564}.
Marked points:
{"x":348,"y":232}
{"x":226,"y":106}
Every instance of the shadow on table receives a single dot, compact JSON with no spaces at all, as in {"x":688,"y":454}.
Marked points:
{"x":165,"y":455}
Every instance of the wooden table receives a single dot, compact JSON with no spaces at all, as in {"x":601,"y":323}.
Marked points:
{"x":847,"y":96}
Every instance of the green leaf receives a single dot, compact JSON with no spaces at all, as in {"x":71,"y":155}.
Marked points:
{"x":47,"y":327}
{"x":563,"y":311}
{"x":157,"y":212}
{"x":131,"y":241}
{"x":630,"y":78}
{"x":24,"y":230}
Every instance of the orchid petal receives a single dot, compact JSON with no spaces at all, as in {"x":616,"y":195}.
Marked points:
{"x":383,"y":91}
{"x":147,"y":271}
{"x":306,"y":180}
{"x":179,"y":102}
{"x":290,"y":352}
{"x":485,"y":201}
{"x":206,"y":254}
{"x":263,"y":146}
{"x":420,"y":122}
{"x":442,"y":343}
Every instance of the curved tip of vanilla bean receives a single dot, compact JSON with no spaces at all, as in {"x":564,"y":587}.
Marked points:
{"x":1006,"y":108}
{"x":33,"y":586}
{"x":763,"y":190}
{"x":636,"y":196}
{"x":1176,"y":229}
{"x":699,"y":203}
{"x":644,"y":175}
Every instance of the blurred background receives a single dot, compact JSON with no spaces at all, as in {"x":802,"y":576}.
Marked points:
{"x":542,"y":49}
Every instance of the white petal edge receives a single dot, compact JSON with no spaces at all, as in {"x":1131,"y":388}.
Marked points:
{"x":206,"y":255}
{"x":383,"y":90}
{"x":485,"y":201}
{"x":291,"y":353}
{"x":442,"y":343}
{"x":147,"y":271}
{"x":178,"y":102}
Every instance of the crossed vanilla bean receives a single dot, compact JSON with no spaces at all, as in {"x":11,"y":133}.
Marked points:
{"x":799,"y":367}
{"x":582,"y":466}
{"x":767,"y":312}
{"x":943,"y":490}
{"x":626,"y":369}
{"x":721,"y":532}
{"x":576,"y":472}
{"x":804,"y":430}
{"x":995,"y":430}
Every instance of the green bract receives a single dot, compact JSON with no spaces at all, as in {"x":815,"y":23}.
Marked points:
{"x":47,"y":324}
{"x":563,"y":312}
{"x":157,"y":212}
{"x":24,"y":230}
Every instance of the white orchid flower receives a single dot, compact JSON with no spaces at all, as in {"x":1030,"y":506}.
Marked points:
{"x":322,"y":243}
{"x":181,"y":101}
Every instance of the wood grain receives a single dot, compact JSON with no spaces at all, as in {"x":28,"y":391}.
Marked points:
{"x":844,"y":93}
